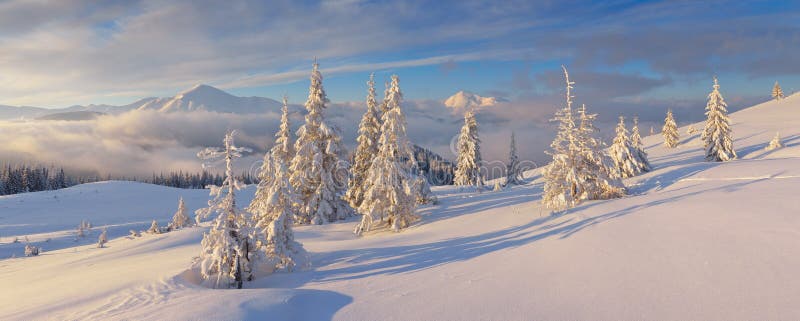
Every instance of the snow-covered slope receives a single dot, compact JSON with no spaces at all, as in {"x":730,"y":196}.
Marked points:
{"x":207,"y":98}
{"x":694,"y":240}
{"x":463,"y":99}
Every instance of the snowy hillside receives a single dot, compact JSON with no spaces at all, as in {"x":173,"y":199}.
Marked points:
{"x":694,"y":240}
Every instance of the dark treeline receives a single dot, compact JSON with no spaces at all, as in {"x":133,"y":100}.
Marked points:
{"x":195,"y":180}
{"x":436,"y":169}
{"x":23,"y":179}
{"x":27,"y":178}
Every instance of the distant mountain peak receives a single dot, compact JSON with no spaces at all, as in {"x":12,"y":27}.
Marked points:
{"x":202,"y":97}
{"x":464,"y":99}
{"x":203,"y":91}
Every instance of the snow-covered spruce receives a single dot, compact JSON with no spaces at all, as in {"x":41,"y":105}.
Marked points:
{"x":513,"y":170}
{"x":385,"y":102}
{"x":716,"y":136}
{"x":154,"y":229}
{"x":670,"y":131}
{"x":422,"y":190}
{"x":636,"y":141}
{"x":180,"y":219}
{"x":389,"y":198}
{"x":273,"y":210}
{"x":775,"y":143}
{"x":102,"y":239}
{"x":228,"y":253}
{"x":624,"y":154}
{"x":595,"y":167}
{"x":317,"y":175}
{"x":369,"y":131}
{"x":282,"y":148}
{"x":777,"y":92}
{"x":579,"y":169}
{"x":468,"y":163}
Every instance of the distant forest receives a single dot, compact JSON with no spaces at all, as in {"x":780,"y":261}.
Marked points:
{"x":27,"y":178}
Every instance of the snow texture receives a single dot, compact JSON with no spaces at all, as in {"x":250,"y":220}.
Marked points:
{"x":695,"y":240}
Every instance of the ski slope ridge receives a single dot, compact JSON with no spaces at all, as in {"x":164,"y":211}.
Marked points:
{"x":694,"y":240}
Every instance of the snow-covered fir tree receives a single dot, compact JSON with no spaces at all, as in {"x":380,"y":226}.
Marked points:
{"x":102,"y":239}
{"x":316,"y":172}
{"x":228,"y":251}
{"x":468,"y":163}
{"x":579,"y":169}
{"x":422,"y":190}
{"x":625,"y":155}
{"x":513,"y":172}
{"x":369,"y":131}
{"x":777,"y":92}
{"x":273,"y":210}
{"x":670,"y":131}
{"x":596,"y":168}
{"x":561,"y":185}
{"x":181,"y":218}
{"x":636,"y":141}
{"x":385,"y":104}
{"x":775,"y":143}
{"x":282,"y":148}
{"x":717,"y":135}
{"x":389,"y":198}
{"x":154,"y":229}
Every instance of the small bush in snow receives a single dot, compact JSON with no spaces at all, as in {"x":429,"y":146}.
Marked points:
{"x":31,"y":250}
{"x":777,"y":92}
{"x":180,"y":219}
{"x":775,"y":143}
{"x":135,"y":233}
{"x":102,"y":239}
{"x":497,"y":186}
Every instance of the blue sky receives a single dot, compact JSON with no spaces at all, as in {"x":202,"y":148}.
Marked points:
{"x":620,"y":52}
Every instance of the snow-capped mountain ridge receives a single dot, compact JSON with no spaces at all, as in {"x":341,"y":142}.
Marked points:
{"x":464,"y":99}
{"x":207,"y":98}
{"x":197,"y":98}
